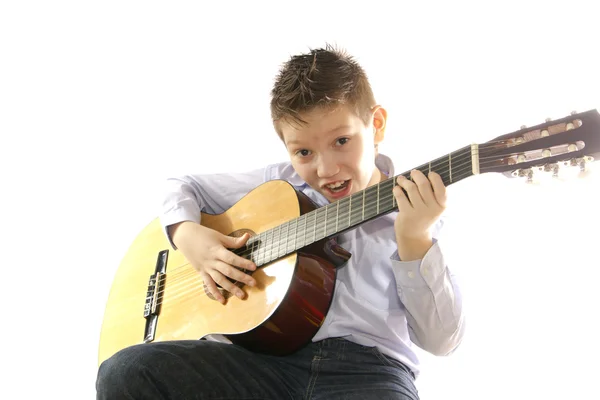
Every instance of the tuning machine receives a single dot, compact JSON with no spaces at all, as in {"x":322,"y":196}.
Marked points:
{"x":524,"y":173}
{"x":539,"y":173}
{"x":552,"y":167}
{"x":581,"y":162}
{"x":576,"y":167}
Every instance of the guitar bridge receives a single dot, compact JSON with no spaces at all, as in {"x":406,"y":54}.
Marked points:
{"x":154,"y":296}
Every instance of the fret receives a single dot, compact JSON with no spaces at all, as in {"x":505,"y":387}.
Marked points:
{"x":378,"y":198}
{"x":267,"y":243}
{"x":271,"y":244}
{"x":323,"y":224}
{"x":252,"y":250}
{"x":263,"y":244}
{"x":300,"y":232}
{"x":279,"y":240}
{"x":337,"y":215}
{"x":295,"y":224}
{"x":358,"y":213}
{"x":387,"y":202}
{"x":450,"y":166}
{"x":274,"y":244}
{"x":350,"y":211}
{"x":287,"y":236}
{"x":371,"y":197}
{"x":295,"y":234}
{"x":341,"y":214}
{"x":363,"y":205}
{"x":325,"y":229}
{"x":394,"y":183}
{"x":305,"y":219}
{"x":333,"y":218}
{"x":279,"y":237}
{"x":315,"y":222}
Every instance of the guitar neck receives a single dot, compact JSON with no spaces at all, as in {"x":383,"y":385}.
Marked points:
{"x":353,"y":210}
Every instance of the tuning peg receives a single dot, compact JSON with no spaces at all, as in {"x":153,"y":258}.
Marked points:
{"x":584,"y":162}
{"x":585,"y":168}
{"x":526,"y":173}
{"x":575,"y":168}
{"x":548,"y":119}
{"x":573,"y":112}
{"x":554,"y":168}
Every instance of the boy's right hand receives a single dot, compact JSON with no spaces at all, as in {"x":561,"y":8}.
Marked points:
{"x":207,"y":251}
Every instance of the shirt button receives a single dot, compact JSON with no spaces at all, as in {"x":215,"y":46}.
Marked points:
{"x":411,"y":274}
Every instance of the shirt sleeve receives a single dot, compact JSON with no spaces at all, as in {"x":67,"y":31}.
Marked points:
{"x":433,"y":301}
{"x":185,"y":197}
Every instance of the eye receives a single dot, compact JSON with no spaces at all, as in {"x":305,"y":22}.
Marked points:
{"x":303,"y":152}
{"x":342,"y":141}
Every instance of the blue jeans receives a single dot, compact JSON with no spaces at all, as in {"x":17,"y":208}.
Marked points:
{"x":199,"y":369}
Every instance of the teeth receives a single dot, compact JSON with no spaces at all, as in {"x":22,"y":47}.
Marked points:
{"x":335,"y":184}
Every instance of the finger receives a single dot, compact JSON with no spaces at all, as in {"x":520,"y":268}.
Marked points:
{"x":424,"y":186}
{"x":225,"y":283}
{"x":233,"y":259}
{"x":439,"y":189}
{"x":412,"y":191}
{"x":226,"y":269}
{"x":234,"y":242}
{"x":212,"y":287}
{"x":401,"y":199}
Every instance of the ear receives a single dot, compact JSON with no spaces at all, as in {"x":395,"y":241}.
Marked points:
{"x":379,"y":120}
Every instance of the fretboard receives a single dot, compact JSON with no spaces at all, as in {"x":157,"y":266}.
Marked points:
{"x":348,"y":212}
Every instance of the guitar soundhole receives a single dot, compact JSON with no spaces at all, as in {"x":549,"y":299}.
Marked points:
{"x":225,"y":293}
{"x":240,"y":232}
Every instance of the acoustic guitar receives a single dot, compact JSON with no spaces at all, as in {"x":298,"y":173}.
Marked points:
{"x":158,"y":296}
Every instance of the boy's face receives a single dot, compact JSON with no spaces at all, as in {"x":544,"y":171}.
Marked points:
{"x":335,"y":152}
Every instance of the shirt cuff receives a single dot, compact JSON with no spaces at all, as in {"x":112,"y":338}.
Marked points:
{"x":174,"y":217}
{"x":419,"y":273}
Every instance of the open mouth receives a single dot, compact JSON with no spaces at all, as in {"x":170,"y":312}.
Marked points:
{"x":338,"y":189}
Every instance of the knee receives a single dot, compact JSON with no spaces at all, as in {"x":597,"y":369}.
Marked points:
{"x":119,"y":373}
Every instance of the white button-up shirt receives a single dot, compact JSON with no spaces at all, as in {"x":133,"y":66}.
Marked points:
{"x":379,"y":300}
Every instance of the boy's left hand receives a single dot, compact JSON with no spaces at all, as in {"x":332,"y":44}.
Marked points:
{"x":417,"y":212}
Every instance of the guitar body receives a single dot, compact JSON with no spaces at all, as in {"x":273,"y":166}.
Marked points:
{"x":278,"y":316}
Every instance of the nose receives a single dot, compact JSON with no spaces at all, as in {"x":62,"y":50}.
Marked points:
{"x":327,"y":167}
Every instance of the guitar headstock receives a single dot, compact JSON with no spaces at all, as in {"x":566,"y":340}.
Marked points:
{"x":572,"y":141}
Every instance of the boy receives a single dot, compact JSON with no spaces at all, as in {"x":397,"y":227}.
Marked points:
{"x":395,"y":290}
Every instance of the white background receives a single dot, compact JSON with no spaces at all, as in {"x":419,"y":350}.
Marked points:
{"x":101,"y":101}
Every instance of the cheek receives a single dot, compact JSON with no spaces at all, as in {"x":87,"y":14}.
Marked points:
{"x":366,"y":160}
{"x":304,"y":170}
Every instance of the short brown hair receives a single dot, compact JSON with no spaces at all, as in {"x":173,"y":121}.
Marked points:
{"x":323,"y":77}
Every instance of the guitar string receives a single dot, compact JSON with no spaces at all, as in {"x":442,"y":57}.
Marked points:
{"x":173,"y":276}
{"x":272,"y":244}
